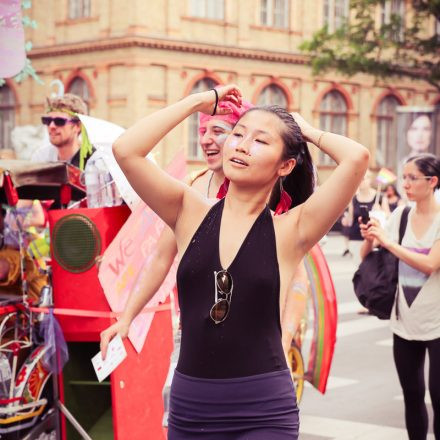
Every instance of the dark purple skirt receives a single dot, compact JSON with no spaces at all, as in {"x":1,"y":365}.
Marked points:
{"x":259,"y":407}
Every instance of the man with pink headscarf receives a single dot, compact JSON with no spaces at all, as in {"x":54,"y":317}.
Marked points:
{"x":213,"y":131}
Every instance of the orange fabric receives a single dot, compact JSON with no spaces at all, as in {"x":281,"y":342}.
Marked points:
{"x":12,"y":283}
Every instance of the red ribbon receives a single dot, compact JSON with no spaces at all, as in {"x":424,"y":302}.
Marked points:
{"x":88,"y":313}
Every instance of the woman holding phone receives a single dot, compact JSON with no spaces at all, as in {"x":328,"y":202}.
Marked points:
{"x":237,"y":260}
{"x":415,"y":318}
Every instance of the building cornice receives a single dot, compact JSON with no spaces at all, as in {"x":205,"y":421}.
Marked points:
{"x":110,"y":44}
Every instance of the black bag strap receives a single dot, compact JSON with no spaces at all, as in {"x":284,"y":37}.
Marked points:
{"x":403,"y":223}
{"x":402,"y":229}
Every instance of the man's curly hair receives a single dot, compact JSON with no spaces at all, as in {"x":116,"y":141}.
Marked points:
{"x":68,"y":102}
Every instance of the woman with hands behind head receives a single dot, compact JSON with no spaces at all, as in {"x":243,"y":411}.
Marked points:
{"x":213,"y":131}
{"x":416,"y":326}
{"x":231,"y":379}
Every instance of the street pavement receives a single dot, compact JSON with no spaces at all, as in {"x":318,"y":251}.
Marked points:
{"x":363,"y":400}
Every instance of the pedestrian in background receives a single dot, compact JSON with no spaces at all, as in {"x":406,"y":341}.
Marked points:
{"x":393,"y":197}
{"x":415,"y":318}
{"x":366,"y":196}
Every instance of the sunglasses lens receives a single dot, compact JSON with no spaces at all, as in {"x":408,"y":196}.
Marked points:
{"x":59,"y":122}
{"x":220,"y":310}
{"x":224,"y":281}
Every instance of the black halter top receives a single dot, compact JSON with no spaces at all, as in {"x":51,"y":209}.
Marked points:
{"x":248,"y":342}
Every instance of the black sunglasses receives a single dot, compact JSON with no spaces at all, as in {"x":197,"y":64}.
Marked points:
{"x":223,"y":286}
{"x":58,"y":120}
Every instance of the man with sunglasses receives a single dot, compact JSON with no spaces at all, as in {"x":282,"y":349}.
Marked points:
{"x":64,"y":128}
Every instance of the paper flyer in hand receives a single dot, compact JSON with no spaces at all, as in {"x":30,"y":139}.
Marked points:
{"x":116,"y":353}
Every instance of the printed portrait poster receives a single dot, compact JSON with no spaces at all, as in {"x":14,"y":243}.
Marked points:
{"x":417,"y":132}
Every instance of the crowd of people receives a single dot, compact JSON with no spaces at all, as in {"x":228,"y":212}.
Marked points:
{"x":241,"y":227}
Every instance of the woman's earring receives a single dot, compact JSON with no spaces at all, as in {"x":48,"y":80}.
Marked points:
{"x":223,"y":190}
{"x":285,"y":200}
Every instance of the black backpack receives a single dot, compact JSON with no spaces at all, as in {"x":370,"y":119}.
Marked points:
{"x":375,"y":281}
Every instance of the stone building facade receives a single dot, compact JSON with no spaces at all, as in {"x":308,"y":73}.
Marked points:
{"x":130,"y":58}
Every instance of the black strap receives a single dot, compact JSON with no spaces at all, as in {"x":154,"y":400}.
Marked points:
{"x":402,"y":229}
{"x":403,"y":223}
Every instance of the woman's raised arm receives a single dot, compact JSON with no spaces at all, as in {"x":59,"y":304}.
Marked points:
{"x":160,"y":191}
{"x":317,"y":215}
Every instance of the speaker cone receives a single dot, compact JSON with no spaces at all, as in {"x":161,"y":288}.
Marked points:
{"x":76,"y":243}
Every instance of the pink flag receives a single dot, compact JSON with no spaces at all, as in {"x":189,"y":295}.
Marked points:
{"x":128,"y":257}
{"x":12,"y":51}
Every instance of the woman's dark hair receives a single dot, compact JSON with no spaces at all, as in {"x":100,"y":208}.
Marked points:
{"x":428,"y":164}
{"x":396,"y":193}
{"x":300,"y":183}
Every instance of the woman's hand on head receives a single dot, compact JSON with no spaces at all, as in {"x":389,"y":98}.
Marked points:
{"x":305,"y":127}
{"x":229,"y":92}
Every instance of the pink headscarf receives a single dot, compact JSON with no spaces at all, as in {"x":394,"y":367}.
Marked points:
{"x":230,"y":118}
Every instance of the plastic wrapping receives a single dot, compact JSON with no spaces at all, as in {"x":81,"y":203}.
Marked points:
{"x":57,"y":353}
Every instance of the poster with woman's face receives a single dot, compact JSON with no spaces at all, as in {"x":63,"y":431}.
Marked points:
{"x":417,"y":132}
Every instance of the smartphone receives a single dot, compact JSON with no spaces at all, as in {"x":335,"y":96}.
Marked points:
{"x":365,"y":213}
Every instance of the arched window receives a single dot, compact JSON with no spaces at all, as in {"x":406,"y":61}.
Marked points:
{"x":272,"y":94}
{"x":79,"y":9}
{"x":194,"y":152}
{"x":79,"y":87}
{"x":7,"y":116}
{"x":386,"y":141}
{"x":333,"y":117}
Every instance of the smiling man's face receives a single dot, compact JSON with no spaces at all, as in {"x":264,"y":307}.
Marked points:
{"x":213,"y":135}
{"x":66,"y":134}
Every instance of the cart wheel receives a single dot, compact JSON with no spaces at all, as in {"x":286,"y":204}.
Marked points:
{"x":297,"y":369}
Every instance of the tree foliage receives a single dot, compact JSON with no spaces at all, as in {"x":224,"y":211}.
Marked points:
{"x":404,"y":47}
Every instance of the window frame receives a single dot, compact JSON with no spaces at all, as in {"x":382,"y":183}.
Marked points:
{"x":387,"y":10}
{"x":271,"y":14}
{"x":330,"y":18}
{"x":269,"y":90}
{"x":71,"y":89}
{"x":201,"y":9}
{"x":79,"y":9}
{"x":327,"y":119}
{"x":7,"y":108}
{"x":386,"y":123}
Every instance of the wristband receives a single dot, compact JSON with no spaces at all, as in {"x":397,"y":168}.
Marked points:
{"x":216,"y":102}
{"x":319,"y":139}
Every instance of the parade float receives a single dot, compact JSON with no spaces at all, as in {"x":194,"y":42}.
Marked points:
{"x":97,"y":256}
